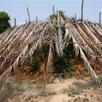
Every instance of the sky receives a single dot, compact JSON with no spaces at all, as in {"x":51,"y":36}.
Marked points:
{"x":43,"y":8}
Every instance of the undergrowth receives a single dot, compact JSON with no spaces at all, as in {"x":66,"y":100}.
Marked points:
{"x":63,"y":64}
{"x":78,"y":87}
{"x":38,"y":57}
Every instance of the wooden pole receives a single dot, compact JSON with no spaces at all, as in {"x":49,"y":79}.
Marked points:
{"x":82,"y":9}
{"x":44,"y":75}
{"x":75,"y":16}
{"x":28,"y":13}
{"x":36,"y":19}
{"x":53,"y":9}
{"x":100,"y":18}
{"x":25,"y":21}
{"x":59,"y":33}
{"x":14,"y":22}
{"x":58,"y":19}
{"x":47,"y":65}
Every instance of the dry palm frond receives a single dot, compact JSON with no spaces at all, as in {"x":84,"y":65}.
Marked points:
{"x":86,"y":62}
{"x":19,"y":43}
{"x":79,"y":49}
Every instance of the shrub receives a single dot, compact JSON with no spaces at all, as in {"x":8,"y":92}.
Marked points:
{"x":63,"y":64}
{"x":38,"y":57}
{"x":76,"y":88}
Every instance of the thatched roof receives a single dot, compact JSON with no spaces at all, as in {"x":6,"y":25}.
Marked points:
{"x":17,"y":44}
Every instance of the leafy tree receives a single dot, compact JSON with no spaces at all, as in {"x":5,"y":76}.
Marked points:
{"x":4,"y":21}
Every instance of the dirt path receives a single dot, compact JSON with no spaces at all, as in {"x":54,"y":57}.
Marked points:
{"x":68,"y":90}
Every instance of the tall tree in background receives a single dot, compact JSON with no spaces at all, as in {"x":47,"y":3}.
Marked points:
{"x":4,"y":21}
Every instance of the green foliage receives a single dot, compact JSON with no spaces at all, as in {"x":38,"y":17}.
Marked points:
{"x":4,"y":21}
{"x":62,"y":13}
{"x":54,"y":19}
{"x":63,"y":64}
{"x":39,"y":56}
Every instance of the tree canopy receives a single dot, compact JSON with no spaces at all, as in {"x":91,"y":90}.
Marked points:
{"x":4,"y":21}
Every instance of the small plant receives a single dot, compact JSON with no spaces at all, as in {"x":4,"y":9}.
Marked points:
{"x":42,"y":92}
{"x":100,"y":79}
{"x":39,"y":87}
{"x":72,"y":91}
{"x":93,"y":83}
{"x":76,"y":88}
{"x":80,"y":85}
